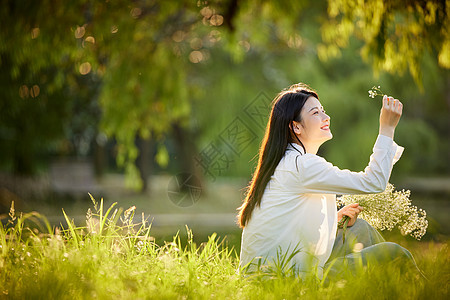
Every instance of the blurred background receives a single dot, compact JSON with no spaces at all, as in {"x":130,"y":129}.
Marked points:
{"x":162,"y":105}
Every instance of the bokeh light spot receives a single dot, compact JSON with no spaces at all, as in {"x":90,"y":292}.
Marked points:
{"x":196,"y":56}
{"x":245,"y":45}
{"x":90,"y":39}
{"x":178,"y":36}
{"x":214,"y":36}
{"x":206,"y":12}
{"x":135,"y":12}
{"x":24,"y":92}
{"x":295,"y":42}
{"x":79,"y":32}
{"x":35,"y":32}
{"x":216,"y":20}
{"x":358,"y":247}
{"x":201,"y":3}
{"x":34,"y":91}
{"x":85,"y":68}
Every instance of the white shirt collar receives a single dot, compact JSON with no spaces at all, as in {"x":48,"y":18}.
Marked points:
{"x":295,"y":147}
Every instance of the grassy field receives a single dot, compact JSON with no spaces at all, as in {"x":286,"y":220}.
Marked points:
{"x":116,"y":256}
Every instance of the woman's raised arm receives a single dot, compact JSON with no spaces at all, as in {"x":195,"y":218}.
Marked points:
{"x":316,"y":175}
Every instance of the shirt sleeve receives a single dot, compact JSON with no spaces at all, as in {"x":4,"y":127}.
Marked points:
{"x":316,"y":175}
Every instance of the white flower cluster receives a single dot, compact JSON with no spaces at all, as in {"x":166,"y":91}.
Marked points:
{"x":389,"y":209}
{"x":375,"y":91}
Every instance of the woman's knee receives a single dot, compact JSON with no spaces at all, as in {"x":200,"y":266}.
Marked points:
{"x":388,"y":251}
{"x":397,"y":250}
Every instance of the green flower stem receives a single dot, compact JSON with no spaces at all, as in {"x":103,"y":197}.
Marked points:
{"x":344,"y":223}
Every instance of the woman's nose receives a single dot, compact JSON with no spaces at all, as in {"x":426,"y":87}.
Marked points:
{"x":326,"y":117}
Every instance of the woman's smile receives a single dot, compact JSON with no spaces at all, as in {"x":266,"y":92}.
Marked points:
{"x":325,"y":127}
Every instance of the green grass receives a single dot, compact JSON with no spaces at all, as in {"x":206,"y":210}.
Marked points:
{"x":115,"y":256}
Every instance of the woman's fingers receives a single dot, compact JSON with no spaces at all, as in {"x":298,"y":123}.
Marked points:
{"x":355,"y":206}
{"x":390,"y":114}
{"x":385,"y":101}
{"x":352,"y":211}
{"x":392,"y":104}
{"x":399,"y":107}
{"x":349,"y":214}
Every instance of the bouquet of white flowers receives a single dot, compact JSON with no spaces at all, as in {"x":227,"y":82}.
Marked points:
{"x":387,"y":210}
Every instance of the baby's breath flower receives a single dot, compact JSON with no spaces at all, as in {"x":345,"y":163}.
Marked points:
{"x":390,"y":209}
{"x":375,"y":91}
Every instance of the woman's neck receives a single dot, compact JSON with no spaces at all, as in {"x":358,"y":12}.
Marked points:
{"x":309,"y":147}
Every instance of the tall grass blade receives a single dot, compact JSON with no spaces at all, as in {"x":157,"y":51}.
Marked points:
{"x":71,"y":229}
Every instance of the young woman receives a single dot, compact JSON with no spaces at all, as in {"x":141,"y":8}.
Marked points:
{"x":290,"y":205}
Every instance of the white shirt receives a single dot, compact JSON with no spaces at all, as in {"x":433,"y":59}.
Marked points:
{"x":298,"y":207}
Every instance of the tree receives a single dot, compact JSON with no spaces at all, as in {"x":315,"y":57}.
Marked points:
{"x":148,"y":61}
{"x":395,"y":34}
{"x":38,"y":55}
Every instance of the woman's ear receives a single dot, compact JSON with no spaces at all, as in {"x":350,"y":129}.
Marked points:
{"x":295,"y":126}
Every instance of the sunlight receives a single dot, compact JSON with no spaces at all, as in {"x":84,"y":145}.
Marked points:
{"x":79,"y":32}
{"x":214,"y":36}
{"x":90,"y":39}
{"x":85,"y":68}
{"x":35,"y":32}
{"x":135,"y":12}
{"x":216,"y":20}
{"x":178,"y":36}
{"x":245,"y":45}
{"x":206,"y":12}
{"x":196,"y":56}
{"x":23,"y":92}
{"x":34,"y":91}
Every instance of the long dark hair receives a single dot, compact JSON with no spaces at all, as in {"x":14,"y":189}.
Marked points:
{"x":286,"y":108}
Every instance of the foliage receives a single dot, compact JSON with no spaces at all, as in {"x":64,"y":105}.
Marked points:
{"x":396,"y":34}
{"x":112,"y":257}
{"x":43,"y":95}
{"x":141,"y":66}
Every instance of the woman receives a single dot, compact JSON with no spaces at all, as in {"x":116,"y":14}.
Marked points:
{"x":289,"y":216}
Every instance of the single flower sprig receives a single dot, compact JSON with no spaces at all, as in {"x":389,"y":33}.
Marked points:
{"x":375,"y":91}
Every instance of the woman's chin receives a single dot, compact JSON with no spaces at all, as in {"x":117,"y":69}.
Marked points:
{"x":326,"y":139}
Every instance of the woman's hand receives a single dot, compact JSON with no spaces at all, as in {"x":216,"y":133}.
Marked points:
{"x":352,"y":211}
{"x":390,"y":114}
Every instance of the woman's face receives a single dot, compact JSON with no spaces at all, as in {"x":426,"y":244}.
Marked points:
{"x":314,"y":128}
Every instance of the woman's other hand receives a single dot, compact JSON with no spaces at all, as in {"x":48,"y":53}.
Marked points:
{"x":352,"y":211}
{"x":390,"y":114}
